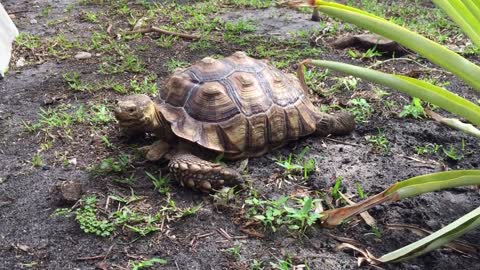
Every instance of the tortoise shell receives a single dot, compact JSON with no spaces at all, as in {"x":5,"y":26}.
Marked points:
{"x":237,"y":105}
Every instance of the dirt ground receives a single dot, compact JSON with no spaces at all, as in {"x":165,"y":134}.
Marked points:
{"x":31,"y":237}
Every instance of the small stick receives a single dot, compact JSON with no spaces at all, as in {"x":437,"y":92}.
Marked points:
{"x":342,"y":142}
{"x":91,"y":258}
{"x":165,"y":32}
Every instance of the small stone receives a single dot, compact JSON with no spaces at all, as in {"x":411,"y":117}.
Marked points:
{"x":69,"y":191}
{"x":20,"y":62}
{"x":83,"y":55}
{"x":72,"y":161}
{"x":33,"y":21}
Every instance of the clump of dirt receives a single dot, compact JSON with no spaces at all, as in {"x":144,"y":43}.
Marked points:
{"x":217,"y":235}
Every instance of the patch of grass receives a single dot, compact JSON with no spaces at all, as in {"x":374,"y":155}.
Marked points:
{"x":147,"y":263}
{"x":251,"y":3}
{"x":235,"y":252}
{"x":89,"y":16}
{"x":28,"y":41}
{"x":173,"y":63}
{"x":427,"y":149}
{"x":99,"y":114}
{"x":282,"y":264}
{"x":165,"y":41}
{"x":112,"y":165}
{"x":74,"y":82}
{"x":161,"y":183}
{"x":37,"y":160}
{"x":360,"y":109}
{"x":45,"y":11}
{"x":275,"y":213}
{"x":379,"y":141}
{"x":146,"y":86}
{"x":452,"y":153}
{"x":126,"y":63}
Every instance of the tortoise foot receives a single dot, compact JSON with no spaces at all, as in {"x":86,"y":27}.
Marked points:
{"x":194,"y":172}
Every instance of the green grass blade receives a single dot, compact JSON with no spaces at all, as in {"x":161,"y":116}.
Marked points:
{"x":440,"y":55}
{"x":464,"y":16}
{"x":413,"y":87}
{"x":435,"y":181}
{"x":437,"y":239}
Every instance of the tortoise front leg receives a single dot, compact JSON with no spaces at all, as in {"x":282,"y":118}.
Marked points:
{"x":155,"y":151}
{"x":341,"y":123}
{"x":194,"y":172}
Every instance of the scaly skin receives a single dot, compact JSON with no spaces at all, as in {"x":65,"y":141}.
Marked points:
{"x":194,"y":172}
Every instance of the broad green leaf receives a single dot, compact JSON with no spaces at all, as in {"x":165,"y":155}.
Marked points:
{"x":404,"y":189}
{"x":438,"y":54}
{"x":437,"y":239}
{"x":413,"y":87}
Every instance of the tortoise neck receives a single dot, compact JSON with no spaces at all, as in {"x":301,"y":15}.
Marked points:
{"x":161,"y":127}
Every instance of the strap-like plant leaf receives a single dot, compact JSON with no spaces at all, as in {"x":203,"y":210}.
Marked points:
{"x":438,"y":54}
{"x":437,"y":239}
{"x":466,"y":14}
{"x":404,"y":189}
{"x":413,"y":87}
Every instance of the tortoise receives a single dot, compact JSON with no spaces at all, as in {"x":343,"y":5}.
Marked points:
{"x":238,"y":106}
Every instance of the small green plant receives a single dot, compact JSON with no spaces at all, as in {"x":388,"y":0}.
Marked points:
{"x":427,"y":149}
{"x":235,"y":251}
{"x":275,"y":213}
{"x":336,"y":188}
{"x":89,"y":17}
{"x":174,"y":63}
{"x":452,"y":153}
{"x":301,"y":219}
{"x":86,"y":216}
{"x":299,"y":163}
{"x":111,"y":165}
{"x":160,"y":183}
{"x":37,"y":160}
{"x":73,"y":81}
{"x":361,"y":109}
{"x":282,"y":264}
{"x":361,"y":193}
{"x":28,"y":41}
{"x":148,"y":86}
{"x":46,"y":11}
{"x":256,"y":265}
{"x":379,"y":141}
{"x":147,"y":263}
{"x":129,"y":180}
{"x":371,"y":52}
{"x":239,"y":27}
{"x":165,"y":41}
{"x":414,"y":109}
{"x":99,"y":114}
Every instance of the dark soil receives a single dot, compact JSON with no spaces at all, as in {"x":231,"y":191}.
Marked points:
{"x":30,"y":237}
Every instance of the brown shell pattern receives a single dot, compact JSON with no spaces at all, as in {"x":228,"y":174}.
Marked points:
{"x":237,"y":105}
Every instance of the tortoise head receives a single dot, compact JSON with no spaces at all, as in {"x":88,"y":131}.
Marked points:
{"x":136,"y":113}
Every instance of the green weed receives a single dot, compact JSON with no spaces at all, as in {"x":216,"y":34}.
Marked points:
{"x":147,"y":263}
{"x":161,"y":183}
{"x":360,"y":109}
{"x":86,"y":216}
{"x":379,"y":141}
{"x":414,"y":109}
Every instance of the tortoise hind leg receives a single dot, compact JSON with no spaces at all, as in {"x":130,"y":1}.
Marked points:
{"x":341,"y":123}
{"x":194,"y":172}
